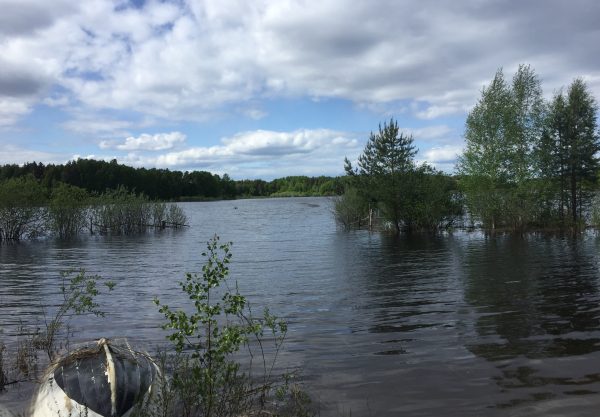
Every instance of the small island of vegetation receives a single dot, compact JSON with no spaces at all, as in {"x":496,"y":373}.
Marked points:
{"x":528,"y":164}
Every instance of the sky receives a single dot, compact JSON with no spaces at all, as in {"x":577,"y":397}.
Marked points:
{"x":268,"y":88}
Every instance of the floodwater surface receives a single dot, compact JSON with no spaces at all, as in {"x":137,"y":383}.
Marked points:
{"x":460,"y":324}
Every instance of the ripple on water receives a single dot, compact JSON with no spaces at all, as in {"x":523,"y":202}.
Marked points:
{"x":458,"y":325}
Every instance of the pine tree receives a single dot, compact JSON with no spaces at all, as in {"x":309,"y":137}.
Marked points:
{"x":388,"y":155}
{"x":581,"y":145}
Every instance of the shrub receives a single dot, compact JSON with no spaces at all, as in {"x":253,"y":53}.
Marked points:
{"x":121,"y":212}
{"x":351,"y":210}
{"x":207,"y":380}
{"x":79,"y":291}
{"x":67,"y":210}
{"x":21,"y":208}
{"x":176,"y":216}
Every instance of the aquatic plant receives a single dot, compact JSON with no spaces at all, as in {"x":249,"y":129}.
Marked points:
{"x":67,"y":211}
{"x":176,"y":216}
{"x":21,"y":208}
{"x":122,"y":212}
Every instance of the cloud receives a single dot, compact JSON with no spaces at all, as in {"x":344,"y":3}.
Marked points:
{"x":25,"y":17}
{"x":263,"y":153}
{"x":254,"y":113}
{"x":429,"y":133}
{"x":433,"y":112}
{"x":12,"y":110}
{"x":13,"y":154}
{"x":107,"y":71}
{"x":442,"y":157}
{"x":19,"y":84}
{"x":146,"y":142}
{"x":91,"y":124}
{"x":183,"y":59}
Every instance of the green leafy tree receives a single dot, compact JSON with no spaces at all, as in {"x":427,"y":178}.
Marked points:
{"x":431,"y":199}
{"x":482,"y":164}
{"x":209,"y":381}
{"x":525,"y":129}
{"x":497,"y":167}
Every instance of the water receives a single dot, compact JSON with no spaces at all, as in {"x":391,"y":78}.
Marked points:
{"x":456,"y":325}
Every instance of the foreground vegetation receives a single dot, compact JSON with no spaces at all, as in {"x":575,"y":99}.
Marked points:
{"x":210,"y":377}
{"x":39,"y":343}
{"x":222,"y":360}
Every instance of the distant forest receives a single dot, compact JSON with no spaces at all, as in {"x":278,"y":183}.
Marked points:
{"x":164,"y":184}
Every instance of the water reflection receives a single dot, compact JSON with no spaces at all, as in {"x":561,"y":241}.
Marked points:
{"x":538,"y":317}
{"x":400,"y":290}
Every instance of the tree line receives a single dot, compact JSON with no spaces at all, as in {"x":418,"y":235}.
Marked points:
{"x":96,"y":177}
{"x":528,"y":164}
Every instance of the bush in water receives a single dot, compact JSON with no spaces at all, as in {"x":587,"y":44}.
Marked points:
{"x":21,"y":208}
{"x":207,"y":380}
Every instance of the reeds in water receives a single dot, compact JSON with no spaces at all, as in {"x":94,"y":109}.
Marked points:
{"x":123,"y":213}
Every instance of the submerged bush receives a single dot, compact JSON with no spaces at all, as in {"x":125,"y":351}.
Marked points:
{"x":351,"y":210}
{"x":159,"y":214}
{"x":26,"y":212}
{"x":67,"y":211}
{"x":176,"y":216}
{"x":21,"y":208}
{"x":122,"y":212}
{"x":207,"y":379}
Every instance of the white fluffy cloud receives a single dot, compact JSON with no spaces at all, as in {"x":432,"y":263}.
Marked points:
{"x":442,"y":157}
{"x":263,"y":153}
{"x":433,"y":112}
{"x":182,"y":59}
{"x":12,"y":109}
{"x":430,"y":133}
{"x":13,"y":154}
{"x":107,"y":69}
{"x":146,"y":142}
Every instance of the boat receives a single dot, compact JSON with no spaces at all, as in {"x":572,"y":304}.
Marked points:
{"x":5,"y":412}
{"x":104,"y":379}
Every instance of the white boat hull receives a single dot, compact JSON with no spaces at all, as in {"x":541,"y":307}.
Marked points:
{"x":106,"y":381}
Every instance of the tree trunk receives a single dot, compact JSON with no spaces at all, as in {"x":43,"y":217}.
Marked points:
{"x":574,"y":196}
